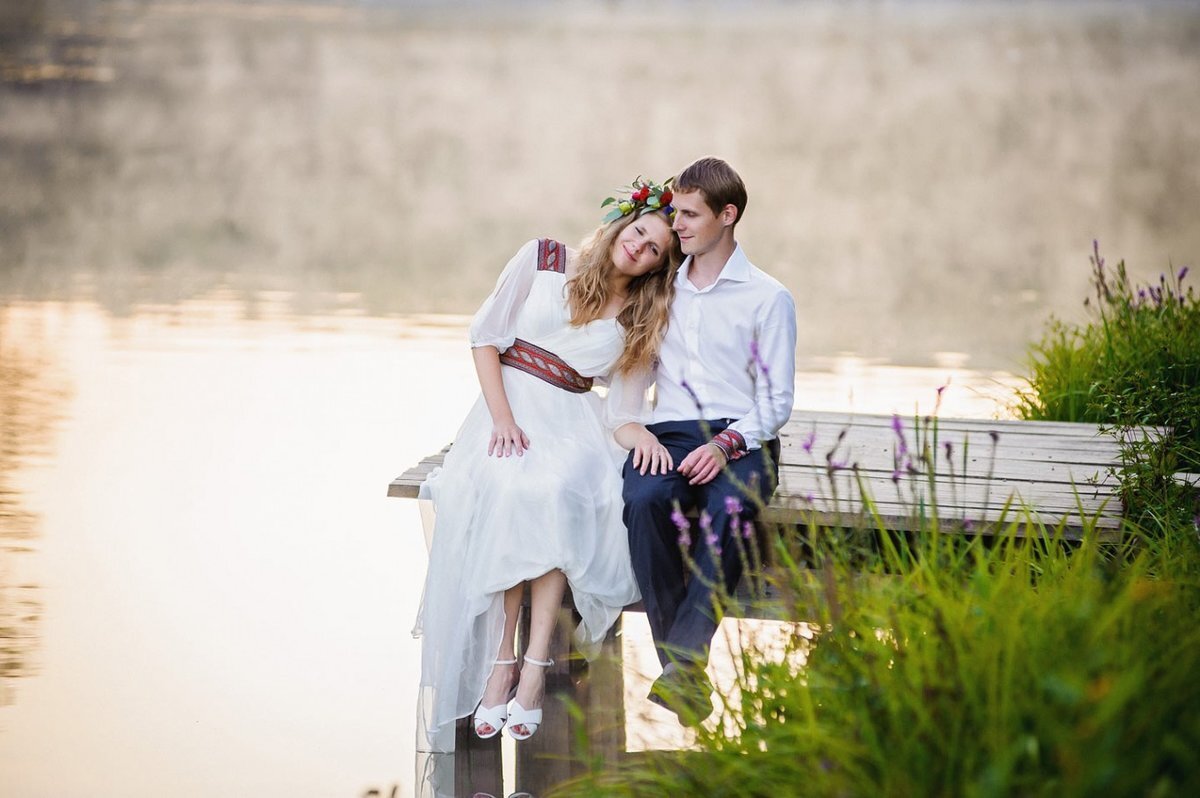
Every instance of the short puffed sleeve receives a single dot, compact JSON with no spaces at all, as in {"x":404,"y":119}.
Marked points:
{"x":495,"y":322}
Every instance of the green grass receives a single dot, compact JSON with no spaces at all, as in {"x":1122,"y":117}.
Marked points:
{"x":957,"y":665}
{"x":1136,"y":362}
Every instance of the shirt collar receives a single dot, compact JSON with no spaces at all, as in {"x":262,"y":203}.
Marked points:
{"x":737,"y":268}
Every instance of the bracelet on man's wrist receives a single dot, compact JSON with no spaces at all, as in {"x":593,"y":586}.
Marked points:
{"x":731,"y":443}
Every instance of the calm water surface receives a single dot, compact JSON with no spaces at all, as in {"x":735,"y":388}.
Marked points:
{"x":209,"y":593}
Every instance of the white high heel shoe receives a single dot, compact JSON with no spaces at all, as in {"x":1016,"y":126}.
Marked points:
{"x":520,"y":716}
{"x":494,"y":716}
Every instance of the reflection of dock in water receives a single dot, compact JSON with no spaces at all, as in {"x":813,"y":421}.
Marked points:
{"x":583,"y":727}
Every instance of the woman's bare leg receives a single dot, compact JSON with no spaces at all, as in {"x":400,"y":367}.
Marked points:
{"x":502,"y":677}
{"x":546,"y":594}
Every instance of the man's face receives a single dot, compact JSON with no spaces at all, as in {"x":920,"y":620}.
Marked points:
{"x":698,"y":227}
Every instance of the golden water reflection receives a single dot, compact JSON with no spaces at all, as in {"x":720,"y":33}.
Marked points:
{"x":30,"y":403}
{"x":226,"y":591}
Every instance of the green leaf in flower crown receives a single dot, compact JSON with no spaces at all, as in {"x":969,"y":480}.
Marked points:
{"x":612,"y":215}
{"x":608,"y":201}
{"x":653,"y":202}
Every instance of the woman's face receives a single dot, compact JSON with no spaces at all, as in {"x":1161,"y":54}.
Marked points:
{"x":642,"y":246}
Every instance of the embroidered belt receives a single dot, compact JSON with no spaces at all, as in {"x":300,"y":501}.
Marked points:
{"x":545,"y":365}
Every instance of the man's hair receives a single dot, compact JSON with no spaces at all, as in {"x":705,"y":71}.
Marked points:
{"x":717,"y":182}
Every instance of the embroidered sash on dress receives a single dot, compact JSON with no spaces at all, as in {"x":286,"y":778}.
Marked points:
{"x":532,"y":359}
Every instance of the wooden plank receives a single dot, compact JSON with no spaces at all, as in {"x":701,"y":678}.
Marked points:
{"x":1002,"y":468}
{"x":800,"y":482}
{"x":803,"y":419}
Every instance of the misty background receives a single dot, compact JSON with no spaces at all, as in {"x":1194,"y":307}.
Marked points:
{"x":925,"y":176}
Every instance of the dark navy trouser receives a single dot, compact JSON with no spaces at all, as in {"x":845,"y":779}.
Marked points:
{"x":680,"y":612}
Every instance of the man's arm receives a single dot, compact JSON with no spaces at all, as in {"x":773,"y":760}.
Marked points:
{"x":773,"y":363}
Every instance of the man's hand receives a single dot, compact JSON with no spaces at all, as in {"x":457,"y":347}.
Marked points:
{"x":650,"y":455}
{"x":702,"y":464}
{"x":507,"y":438}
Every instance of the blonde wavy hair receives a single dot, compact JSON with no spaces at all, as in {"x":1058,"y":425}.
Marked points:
{"x":648,"y":308}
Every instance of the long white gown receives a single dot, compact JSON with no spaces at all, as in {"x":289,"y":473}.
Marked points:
{"x":503,"y":520}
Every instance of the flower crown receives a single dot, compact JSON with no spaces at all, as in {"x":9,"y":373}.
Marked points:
{"x":644,"y":196}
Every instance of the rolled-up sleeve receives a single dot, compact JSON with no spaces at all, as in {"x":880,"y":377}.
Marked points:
{"x":495,"y":323}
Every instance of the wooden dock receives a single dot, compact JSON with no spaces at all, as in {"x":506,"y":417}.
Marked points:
{"x":976,"y":472}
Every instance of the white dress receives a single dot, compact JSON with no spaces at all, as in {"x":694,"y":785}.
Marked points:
{"x":503,"y":520}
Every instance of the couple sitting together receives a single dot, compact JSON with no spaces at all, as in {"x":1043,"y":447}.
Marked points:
{"x":533,"y":489}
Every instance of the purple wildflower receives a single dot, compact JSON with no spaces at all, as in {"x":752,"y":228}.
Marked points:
{"x":896,"y":475}
{"x":713,"y":542}
{"x":705,"y":521}
{"x":747,"y":529}
{"x":680,"y":520}
{"x":685,"y":540}
{"x":691,"y":393}
{"x":1182,"y":273}
{"x":732,"y":505}
{"x":808,"y":497}
{"x":995,"y":436}
{"x":898,"y":428}
{"x":808,"y":441}
{"x":968,"y":524}
{"x":949,"y":450}
{"x":756,"y":358}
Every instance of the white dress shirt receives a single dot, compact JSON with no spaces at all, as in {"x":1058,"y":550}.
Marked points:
{"x":730,"y":352}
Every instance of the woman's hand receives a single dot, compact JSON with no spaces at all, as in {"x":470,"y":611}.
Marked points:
{"x":649,"y":454}
{"x":507,"y":439}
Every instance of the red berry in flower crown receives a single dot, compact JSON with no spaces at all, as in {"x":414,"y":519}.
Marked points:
{"x":641,"y":194}
{"x":666,"y":197}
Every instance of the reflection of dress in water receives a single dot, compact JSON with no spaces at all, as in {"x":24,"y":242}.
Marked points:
{"x":503,"y":520}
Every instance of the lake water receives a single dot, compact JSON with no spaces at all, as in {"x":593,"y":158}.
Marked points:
{"x":238,"y":242}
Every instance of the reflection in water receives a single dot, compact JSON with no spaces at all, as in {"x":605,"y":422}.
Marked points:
{"x":29,"y":405}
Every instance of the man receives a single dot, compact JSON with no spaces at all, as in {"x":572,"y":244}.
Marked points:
{"x":724,"y":389}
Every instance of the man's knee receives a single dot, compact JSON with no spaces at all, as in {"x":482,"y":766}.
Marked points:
{"x":646,"y":492}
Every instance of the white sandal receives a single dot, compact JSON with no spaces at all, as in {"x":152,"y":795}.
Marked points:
{"x":520,"y":716}
{"x":494,"y":716}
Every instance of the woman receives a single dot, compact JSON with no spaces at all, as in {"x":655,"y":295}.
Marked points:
{"x":531,"y":489}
